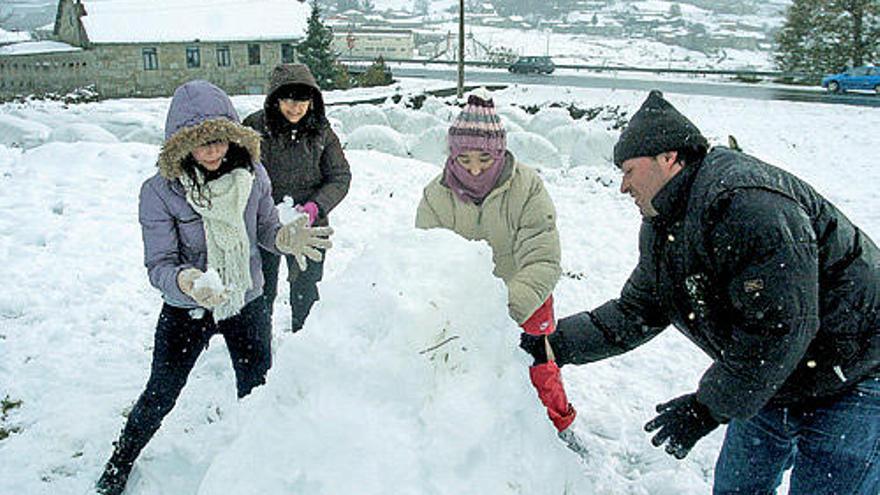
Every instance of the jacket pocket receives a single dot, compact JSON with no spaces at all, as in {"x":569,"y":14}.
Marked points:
{"x":191,"y":236}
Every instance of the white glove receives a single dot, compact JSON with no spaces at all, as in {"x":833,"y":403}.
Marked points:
{"x":205,"y":296}
{"x":302,"y":241}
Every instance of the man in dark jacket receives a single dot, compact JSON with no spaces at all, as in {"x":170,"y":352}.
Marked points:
{"x":775,"y":284}
{"x":305,"y":161}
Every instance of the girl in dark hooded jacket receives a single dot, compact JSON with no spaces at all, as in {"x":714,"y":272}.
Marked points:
{"x":202,"y":216}
{"x":305,"y":161}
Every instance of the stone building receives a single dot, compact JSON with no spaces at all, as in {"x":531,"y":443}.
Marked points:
{"x":135,"y":48}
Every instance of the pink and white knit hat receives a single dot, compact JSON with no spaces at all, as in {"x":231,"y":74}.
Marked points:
{"x":477,"y":127}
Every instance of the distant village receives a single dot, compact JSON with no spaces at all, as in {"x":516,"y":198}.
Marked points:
{"x":128,"y":48}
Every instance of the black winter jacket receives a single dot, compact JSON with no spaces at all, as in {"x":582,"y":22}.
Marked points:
{"x":307,"y":166}
{"x":765,"y":275}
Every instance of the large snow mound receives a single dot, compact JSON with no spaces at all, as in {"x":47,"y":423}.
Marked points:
{"x":428,"y":395}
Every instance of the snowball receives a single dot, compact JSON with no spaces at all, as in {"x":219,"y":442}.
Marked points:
{"x":287,"y":212}
{"x":209,"y":280}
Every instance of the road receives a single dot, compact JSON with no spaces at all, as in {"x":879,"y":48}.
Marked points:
{"x":592,"y":80}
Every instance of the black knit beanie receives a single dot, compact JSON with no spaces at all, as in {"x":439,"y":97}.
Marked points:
{"x":656,"y":128}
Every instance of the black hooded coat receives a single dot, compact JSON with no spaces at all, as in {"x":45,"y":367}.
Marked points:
{"x":304,"y":161}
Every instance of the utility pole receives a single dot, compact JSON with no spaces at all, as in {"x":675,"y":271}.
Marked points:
{"x":460,"y":48}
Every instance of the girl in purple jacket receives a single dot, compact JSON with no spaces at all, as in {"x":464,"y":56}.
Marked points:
{"x":203,"y":217}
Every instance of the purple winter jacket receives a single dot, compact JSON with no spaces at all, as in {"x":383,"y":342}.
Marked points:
{"x":174,"y":235}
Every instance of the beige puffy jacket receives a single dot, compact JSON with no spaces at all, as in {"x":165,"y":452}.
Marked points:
{"x":518,"y":221}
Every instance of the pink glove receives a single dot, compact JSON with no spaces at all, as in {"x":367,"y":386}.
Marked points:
{"x":311,"y":209}
{"x":542,"y":321}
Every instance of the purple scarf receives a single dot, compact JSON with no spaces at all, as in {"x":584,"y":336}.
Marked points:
{"x":473,"y":188}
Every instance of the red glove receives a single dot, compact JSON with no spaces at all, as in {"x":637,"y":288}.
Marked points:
{"x":542,"y":321}
{"x":311,"y":209}
{"x":547,"y":380}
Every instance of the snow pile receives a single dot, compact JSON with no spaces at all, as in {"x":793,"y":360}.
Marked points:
{"x":407,"y":121}
{"x":595,"y":148}
{"x":21,"y":133}
{"x":430,"y":145}
{"x":548,"y":119}
{"x":425,"y":393}
{"x":72,"y":133}
{"x":358,"y":116}
{"x":440,"y":109}
{"x":514,"y":114}
{"x":379,"y":138}
{"x":534,"y":150}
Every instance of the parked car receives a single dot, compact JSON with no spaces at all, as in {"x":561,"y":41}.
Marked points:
{"x":866,"y":77}
{"x":532,"y":64}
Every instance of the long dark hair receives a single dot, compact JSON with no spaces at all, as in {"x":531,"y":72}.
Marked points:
{"x":312,"y":122}
{"x":236,"y":157}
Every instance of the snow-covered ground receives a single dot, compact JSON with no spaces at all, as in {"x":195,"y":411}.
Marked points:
{"x":356,"y":403}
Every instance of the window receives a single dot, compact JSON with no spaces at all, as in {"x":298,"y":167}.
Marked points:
{"x":254,"y":54}
{"x":223,"y":57}
{"x":151,"y":59}
{"x":193,"y":57}
{"x":287,"y":54}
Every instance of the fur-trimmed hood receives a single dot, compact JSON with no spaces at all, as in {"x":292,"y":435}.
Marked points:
{"x":201,"y":112}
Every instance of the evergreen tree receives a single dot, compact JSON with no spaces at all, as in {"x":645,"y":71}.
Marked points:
{"x":421,"y":7}
{"x":378,"y":74}
{"x":317,"y":50}
{"x":823,"y":36}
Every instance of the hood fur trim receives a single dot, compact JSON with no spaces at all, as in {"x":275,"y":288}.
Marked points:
{"x":184,"y":141}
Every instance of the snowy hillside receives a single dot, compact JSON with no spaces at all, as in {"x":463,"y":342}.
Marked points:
{"x":359,"y":402}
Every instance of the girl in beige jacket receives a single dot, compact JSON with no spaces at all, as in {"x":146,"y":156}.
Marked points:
{"x":484,"y":194}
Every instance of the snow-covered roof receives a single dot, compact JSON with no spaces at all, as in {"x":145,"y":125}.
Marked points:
{"x":13,"y":36}
{"x":32,"y":47}
{"x":135,"y":21}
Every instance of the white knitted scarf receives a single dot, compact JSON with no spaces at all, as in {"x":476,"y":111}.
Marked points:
{"x":225,"y":233}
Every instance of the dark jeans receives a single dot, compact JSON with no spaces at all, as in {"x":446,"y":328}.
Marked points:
{"x":833,"y":448}
{"x":303,"y":285}
{"x":180,"y":339}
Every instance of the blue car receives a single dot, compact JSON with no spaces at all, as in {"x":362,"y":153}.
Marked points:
{"x":865,"y":78}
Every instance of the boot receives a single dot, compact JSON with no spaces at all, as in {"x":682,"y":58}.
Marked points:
{"x":113,"y":479}
{"x":115,"y":475}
